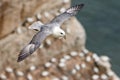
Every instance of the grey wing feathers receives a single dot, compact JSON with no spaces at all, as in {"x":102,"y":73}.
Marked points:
{"x":32,"y":46}
{"x":27,"y":50}
{"x":67,"y":14}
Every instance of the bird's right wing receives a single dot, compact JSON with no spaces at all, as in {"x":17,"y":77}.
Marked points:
{"x":33,"y":45}
{"x":36,"y":26}
{"x":67,"y":14}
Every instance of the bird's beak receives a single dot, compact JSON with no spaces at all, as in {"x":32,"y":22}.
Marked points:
{"x":64,"y":37}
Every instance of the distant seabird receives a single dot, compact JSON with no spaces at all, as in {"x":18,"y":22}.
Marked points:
{"x":52,"y":28}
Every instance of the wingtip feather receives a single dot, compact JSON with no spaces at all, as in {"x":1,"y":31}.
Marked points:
{"x":79,"y":6}
{"x":29,"y":49}
{"x":21,"y":58}
{"x":74,"y":9}
{"x":82,"y":4}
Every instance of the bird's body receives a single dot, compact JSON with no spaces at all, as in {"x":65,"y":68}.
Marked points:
{"x":52,"y":28}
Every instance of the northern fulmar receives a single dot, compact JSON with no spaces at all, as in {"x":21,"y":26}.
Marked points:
{"x":45,"y":30}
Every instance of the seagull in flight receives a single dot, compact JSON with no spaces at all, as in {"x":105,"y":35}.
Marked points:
{"x":45,"y":30}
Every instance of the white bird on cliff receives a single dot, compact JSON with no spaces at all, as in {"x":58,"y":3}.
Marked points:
{"x":45,"y":30}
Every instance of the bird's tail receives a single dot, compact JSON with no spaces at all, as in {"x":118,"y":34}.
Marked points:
{"x":36,"y":26}
{"x":27,"y":50}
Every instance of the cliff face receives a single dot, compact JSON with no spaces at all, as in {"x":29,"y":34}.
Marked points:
{"x":16,"y":16}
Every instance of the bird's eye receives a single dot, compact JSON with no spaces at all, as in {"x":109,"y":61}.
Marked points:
{"x":61,"y":33}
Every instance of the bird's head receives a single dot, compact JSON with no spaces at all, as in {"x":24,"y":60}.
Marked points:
{"x":59,"y":33}
{"x":62,"y":34}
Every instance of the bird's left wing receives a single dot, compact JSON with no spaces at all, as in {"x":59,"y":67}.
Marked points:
{"x":33,"y":45}
{"x":67,"y":14}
